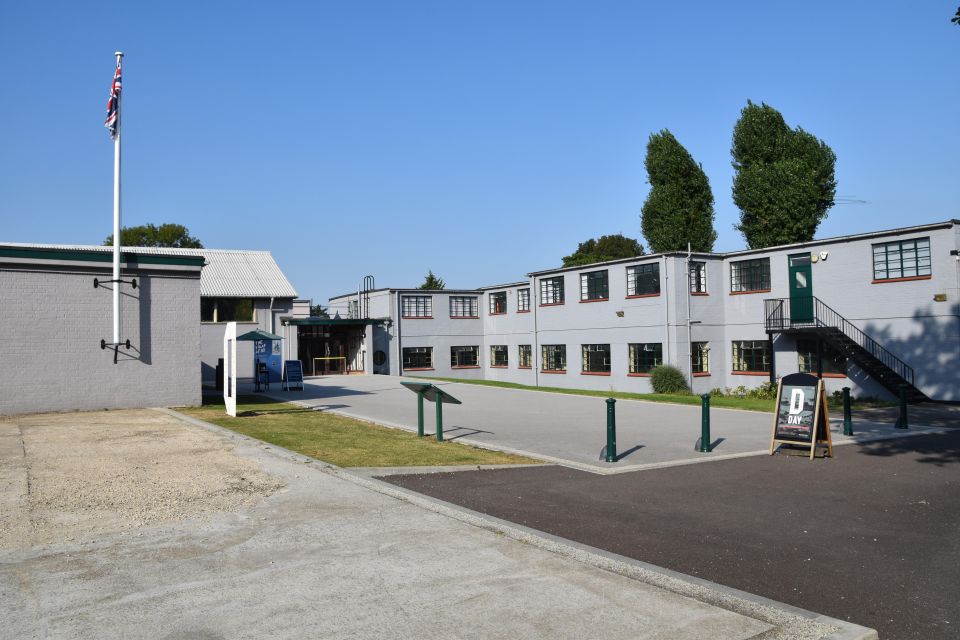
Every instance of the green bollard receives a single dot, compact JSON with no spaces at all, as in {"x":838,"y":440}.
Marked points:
{"x":420,"y":414}
{"x":439,"y":419}
{"x":705,"y":423}
{"x":847,"y":417}
{"x":611,"y":431}
{"x":902,"y":420}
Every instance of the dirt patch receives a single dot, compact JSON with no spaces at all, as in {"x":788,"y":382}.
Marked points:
{"x":72,"y":476}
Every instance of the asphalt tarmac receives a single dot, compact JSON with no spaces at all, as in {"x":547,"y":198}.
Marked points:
{"x":871,"y":536}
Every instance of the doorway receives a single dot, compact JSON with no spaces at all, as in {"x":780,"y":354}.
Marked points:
{"x":801,"y":289}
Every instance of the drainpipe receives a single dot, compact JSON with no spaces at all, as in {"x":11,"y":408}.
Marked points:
{"x":689,"y":323}
{"x":397,"y":295}
{"x":272,"y":321}
{"x":666,"y":312}
{"x":535,"y":356}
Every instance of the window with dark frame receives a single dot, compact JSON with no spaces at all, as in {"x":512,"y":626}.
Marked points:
{"x":698,"y":277}
{"x":643,"y":279}
{"x":523,"y":300}
{"x":551,"y":290}
{"x":227,"y":310}
{"x":751,"y":356}
{"x":498,"y":303}
{"x":594,"y":285}
{"x":833,"y":360}
{"x":596,"y":358}
{"x":750,"y":275}
{"x":416,"y":306}
{"x":644,"y":356}
{"x":902,"y":259}
{"x":464,"y":356}
{"x":700,"y":357}
{"x":463,"y":307}
{"x":525,"y":356}
{"x":554,"y":357}
{"x":418,"y":357}
{"x":498,"y":355}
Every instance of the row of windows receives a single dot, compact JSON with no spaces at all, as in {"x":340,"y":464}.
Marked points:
{"x":891,"y":260}
{"x":227,"y":310}
{"x":747,"y":356}
{"x":462,"y":306}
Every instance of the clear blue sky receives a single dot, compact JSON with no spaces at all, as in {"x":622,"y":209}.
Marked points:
{"x":479,"y":140}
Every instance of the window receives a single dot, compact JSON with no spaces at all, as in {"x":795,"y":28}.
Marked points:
{"x":523,"y":300}
{"x":593,"y":285}
{"x":643,"y":280}
{"x":498,"y":355}
{"x":751,"y":355}
{"x":554,"y":357}
{"x":464,"y":357}
{"x":551,"y":290}
{"x":700,"y":357}
{"x":418,"y":357}
{"x":698,"y":277}
{"x":417,"y":307}
{"x":904,"y":259}
{"x":463,"y":307}
{"x":498,"y":303}
{"x":596,"y":358}
{"x":750,"y":275}
{"x":644,"y":356}
{"x":524,"y":356}
{"x":833,"y":361}
{"x":227,"y":310}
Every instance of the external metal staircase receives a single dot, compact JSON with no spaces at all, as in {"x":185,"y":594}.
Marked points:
{"x":810,"y":315}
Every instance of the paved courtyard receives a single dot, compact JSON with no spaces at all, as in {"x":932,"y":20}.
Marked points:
{"x":137,"y":524}
{"x":566,"y":429}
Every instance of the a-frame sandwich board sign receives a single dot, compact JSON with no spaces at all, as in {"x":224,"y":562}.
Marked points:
{"x":802,"y":417}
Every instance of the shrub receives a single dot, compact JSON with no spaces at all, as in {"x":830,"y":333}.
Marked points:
{"x":766,"y":391}
{"x":667,"y":379}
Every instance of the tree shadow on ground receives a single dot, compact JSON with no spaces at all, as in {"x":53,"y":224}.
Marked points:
{"x":937,"y":449}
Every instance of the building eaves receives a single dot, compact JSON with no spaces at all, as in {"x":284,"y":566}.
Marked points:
{"x":228,"y":273}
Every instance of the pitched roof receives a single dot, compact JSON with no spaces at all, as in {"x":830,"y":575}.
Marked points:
{"x":228,"y":272}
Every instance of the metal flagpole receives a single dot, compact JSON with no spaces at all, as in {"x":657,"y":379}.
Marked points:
{"x":116,"y":224}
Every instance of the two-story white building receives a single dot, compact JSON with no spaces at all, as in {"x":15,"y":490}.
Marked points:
{"x":871,"y":311}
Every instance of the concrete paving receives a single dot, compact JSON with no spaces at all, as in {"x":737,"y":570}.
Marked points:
{"x":328,"y":557}
{"x":565,"y":429}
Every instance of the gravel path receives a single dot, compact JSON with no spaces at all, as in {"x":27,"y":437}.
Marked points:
{"x":69,"y":476}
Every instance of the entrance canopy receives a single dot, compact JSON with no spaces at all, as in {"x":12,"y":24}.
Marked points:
{"x":341,"y":322}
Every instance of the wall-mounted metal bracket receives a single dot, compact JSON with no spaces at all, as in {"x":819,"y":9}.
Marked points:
{"x":97,"y":282}
{"x":116,"y":347}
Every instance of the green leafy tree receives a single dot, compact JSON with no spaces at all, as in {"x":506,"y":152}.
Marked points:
{"x":149,"y":235}
{"x":433,"y":282}
{"x":956,"y":19}
{"x":318,"y":311}
{"x":602,"y":249}
{"x":679,"y":207}
{"x":784,"y":183}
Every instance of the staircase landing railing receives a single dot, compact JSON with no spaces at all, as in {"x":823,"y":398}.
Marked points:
{"x":778,"y":318}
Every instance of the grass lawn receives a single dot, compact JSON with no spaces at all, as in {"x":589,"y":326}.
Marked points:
{"x":729,"y":402}
{"x":342,"y":441}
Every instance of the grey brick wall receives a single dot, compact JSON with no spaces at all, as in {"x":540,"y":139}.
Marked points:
{"x":53,"y":320}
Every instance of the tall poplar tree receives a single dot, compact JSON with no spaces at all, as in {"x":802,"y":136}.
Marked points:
{"x":784,"y":183}
{"x":679,"y":207}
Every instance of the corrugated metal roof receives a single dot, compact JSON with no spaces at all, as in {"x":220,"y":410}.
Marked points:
{"x":228,"y":273}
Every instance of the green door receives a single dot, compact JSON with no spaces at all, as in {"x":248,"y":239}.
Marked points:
{"x":801,"y":289}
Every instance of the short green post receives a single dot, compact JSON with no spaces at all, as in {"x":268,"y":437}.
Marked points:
{"x":902,"y":420}
{"x":847,"y":417}
{"x":705,"y":423}
{"x":611,"y":431}
{"x":439,"y":402}
{"x":420,"y":414}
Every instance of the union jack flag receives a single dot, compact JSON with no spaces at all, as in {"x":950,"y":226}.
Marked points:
{"x":113,"y":104}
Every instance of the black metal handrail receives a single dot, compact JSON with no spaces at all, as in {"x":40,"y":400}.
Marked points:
{"x":777,"y":313}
